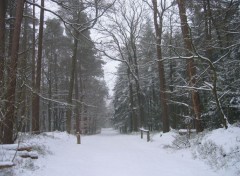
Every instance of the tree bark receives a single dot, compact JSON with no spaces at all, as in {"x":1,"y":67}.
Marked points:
{"x":33,"y":60}
{"x":163,"y":94}
{"x":78,"y":105}
{"x":10,"y":103}
{"x":191,"y":69}
{"x":3,"y":8}
{"x":133,"y":116}
{"x":70,"y":92}
{"x":137,"y":81}
{"x":23,"y":72}
{"x":36,"y":99}
{"x":208,"y":27}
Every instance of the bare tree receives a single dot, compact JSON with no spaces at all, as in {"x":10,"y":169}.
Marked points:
{"x":124,"y":30}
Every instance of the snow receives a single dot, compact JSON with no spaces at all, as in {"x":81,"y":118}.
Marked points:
{"x":227,"y":138}
{"x":6,"y":163}
{"x":114,"y":154}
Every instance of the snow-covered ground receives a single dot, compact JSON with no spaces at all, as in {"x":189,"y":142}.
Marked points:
{"x":114,"y":154}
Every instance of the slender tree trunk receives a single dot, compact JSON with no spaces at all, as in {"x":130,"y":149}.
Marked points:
{"x":57,"y":109}
{"x":163,"y":94}
{"x":208,"y":27}
{"x":49,"y":102}
{"x":50,"y":85}
{"x":133,"y":116}
{"x":3,"y":8}
{"x":78,"y":105}
{"x":81,"y":97}
{"x":23,"y":68}
{"x":190,"y":64}
{"x":137,"y":82}
{"x":10,"y":103}
{"x":11,"y":28}
{"x":70,"y":92}
{"x":36,"y":101}
{"x":33,"y":63}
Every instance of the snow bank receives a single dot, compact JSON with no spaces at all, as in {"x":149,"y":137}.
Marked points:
{"x":165,"y":139}
{"x":220,"y":149}
{"x":226,"y":138}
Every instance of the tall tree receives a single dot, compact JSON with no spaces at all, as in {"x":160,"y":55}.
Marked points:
{"x":33,"y":61}
{"x":36,"y":102}
{"x":3,"y":9}
{"x":191,"y":69}
{"x":71,"y":84}
{"x":158,"y":23}
{"x":11,"y":87}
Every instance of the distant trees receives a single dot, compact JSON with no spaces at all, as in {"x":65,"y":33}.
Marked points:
{"x":193,"y":49}
{"x":123,"y":31}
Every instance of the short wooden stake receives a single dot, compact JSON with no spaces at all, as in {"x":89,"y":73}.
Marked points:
{"x":141,"y":134}
{"x":78,"y":138}
{"x":148,"y":136}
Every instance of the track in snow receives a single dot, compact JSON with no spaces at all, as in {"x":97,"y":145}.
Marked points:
{"x":113,"y":154}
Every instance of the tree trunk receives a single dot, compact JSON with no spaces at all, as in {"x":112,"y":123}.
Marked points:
{"x":36,"y":98}
{"x":23,"y":72}
{"x":70,"y":92}
{"x":137,"y":82}
{"x":50,"y":103}
{"x":208,"y":27}
{"x":3,"y":8}
{"x":33,"y":61}
{"x":10,"y":103}
{"x":190,"y":64}
{"x":78,"y":105}
{"x":163,"y":94}
{"x":133,"y":116}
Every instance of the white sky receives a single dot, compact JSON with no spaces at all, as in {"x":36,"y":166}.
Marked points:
{"x":110,"y":69}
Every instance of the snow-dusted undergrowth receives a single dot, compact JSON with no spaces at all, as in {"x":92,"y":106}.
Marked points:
{"x":220,"y":148}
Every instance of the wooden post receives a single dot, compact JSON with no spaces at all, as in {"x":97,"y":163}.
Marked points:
{"x":78,"y":138}
{"x":148,"y":136}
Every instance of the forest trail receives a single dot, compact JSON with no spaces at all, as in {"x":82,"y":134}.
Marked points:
{"x":114,"y":154}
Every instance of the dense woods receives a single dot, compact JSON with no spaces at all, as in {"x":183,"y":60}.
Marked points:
{"x":51,"y":74}
{"x":187,"y":59}
{"x":178,"y":60}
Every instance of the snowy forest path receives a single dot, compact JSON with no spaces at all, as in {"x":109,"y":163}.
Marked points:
{"x":114,"y":154}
